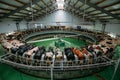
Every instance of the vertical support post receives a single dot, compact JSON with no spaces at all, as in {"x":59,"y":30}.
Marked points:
{"x":31,"y":3}
{"x":51,"y":72}
{"x":27,"y":25}
{"x":17,"y":26}
{"x":93,"y":26}
{"x":52,"y":65}
{"x":72,"y":18}
{"x":103,"y":27}
{"x":116,"y":67}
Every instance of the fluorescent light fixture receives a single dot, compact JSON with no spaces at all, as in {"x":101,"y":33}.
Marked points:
{"x":33,"y":5}
{"x":60,"y":6}
{"x":30,"y":13}
{"x":35,"y":10}
{"x":116,"y":6}
{"x":1,"y":10}
{"x":60,"y":0}
{"x":28,"y":8}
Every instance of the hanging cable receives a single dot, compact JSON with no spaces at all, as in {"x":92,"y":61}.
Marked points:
{"x":32,"y":11}
{"x":72,"y":17}
{"x":84,"y":11}
{"x":46,"y":11}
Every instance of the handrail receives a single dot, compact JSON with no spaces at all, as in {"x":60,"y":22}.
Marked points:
{"x":59,"y":31}
{"x":18,"y":65}
{"x":55,"y":67}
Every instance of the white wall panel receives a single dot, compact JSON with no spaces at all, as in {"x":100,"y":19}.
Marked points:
{"x":59,"y":18}
{"x":8,"y":25}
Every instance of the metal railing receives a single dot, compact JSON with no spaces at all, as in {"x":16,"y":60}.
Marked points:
{"x":14,"y":61}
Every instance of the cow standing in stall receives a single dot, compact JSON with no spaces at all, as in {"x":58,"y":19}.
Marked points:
{"x":49,"y":56}
{"x":39,"y":55}
{"x":30,"y":54}
{"x":98,"y":51}
{"x":88,"y":56}
{"x":80,"y":55}
{"x":91,"y":50}
{"x":70,"y":55}
{"x":59,"y":57}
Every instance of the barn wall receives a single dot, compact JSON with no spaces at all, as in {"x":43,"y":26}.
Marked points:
{"x":110,"y":27}
{"x":7,"y":25}
{"x":60,"y":18}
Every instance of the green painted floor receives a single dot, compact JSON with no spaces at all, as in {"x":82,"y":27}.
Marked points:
{"x":69,"y":42}
{"x":9,"y":73}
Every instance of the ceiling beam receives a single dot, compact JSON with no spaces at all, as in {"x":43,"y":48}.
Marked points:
{"x":5,"y":9}
{"x":44,"y":13}
{"x":75,"y":3}
{"x":69,"y":2}
{"x":81,"y":6}
{"x":103,"y":16}
{"x":113,"y":10}
{"x":111,"y":4}
{"x":91,"y":11}
{"x":99,"y":2}
{"x":15,"y":18}
{"x":40,"y":15}
{"x":9,"y":4}
{"x":75,"y":7}
{"x":20,"y":2}
{"x":44,"y":2}
{"x":96,"y":4}
{"x":23,"y":13}
{"x":81,"y":14}
{"x":39,"y":5}
{"x":101,"y":9}
{"x":88,"y":16}
{"x":78,"y":14}
{"x":19,"y":15}
{"x":25,"y":4}
{"x":87,"y":19}
{"x":51,"y":1}
{"x":19,"y":9}
{"x":117,"y":14}
{"x":50,"y":5}
{"x":3,"y":12}
{"x":96,"y":13}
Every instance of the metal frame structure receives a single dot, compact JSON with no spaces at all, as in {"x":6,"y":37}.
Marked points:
{"x":95,"y":10}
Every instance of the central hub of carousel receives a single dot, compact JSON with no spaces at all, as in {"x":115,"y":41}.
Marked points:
{"x":74,"y":54}
{"x":59,"y":43}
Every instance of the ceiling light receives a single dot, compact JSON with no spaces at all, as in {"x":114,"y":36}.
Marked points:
{"x":116,"y":6}
{"x":60,"y":6}
{"x":60,"y":0}
{"x":35,"y":10}
{"x":30,"y":13}
{"x":28,"y":8}
{"x":33,"y":5}
{"x":57,"y":0}
{"x":1,"y":10}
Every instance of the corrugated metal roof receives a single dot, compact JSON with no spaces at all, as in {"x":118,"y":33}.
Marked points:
{"x":110,"y":8}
